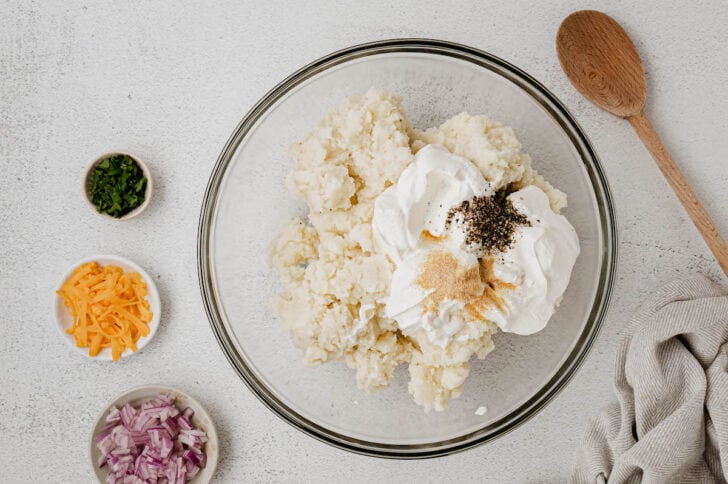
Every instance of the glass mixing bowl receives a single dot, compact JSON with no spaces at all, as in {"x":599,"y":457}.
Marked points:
{"x":247,"y":204}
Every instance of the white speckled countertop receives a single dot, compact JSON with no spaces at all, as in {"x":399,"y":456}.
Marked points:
{"x":169,"y":81}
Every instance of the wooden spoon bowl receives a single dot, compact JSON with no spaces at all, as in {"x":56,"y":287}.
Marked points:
{"x":602,"y":63}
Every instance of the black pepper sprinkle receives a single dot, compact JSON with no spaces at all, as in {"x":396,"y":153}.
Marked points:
{"x":490,"y":222}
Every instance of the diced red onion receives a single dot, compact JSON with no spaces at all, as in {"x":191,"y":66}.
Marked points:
{"x":104,"y":442}
{"x":188,"y":413}
{"x":155,"y":443}
{"x":127,"y":414}
{"x":171,"y":425}
{"x":184,"y":423}
{"x":113,"y":416}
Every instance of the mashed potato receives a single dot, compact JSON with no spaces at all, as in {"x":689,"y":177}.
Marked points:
{"x":337,"y":282}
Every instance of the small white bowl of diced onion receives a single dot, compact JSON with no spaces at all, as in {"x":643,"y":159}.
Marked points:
{"x":154,"y":433}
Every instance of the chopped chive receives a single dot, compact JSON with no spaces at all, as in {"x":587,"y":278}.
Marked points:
{"x":118,"y":186}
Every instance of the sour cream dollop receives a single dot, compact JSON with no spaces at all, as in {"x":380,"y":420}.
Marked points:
{"x":426,"y":190}
{"x":409,"y":224}
{"x":539,"y":264}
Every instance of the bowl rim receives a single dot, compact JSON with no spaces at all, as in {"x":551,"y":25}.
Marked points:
{"x":570,"y":364}
{"x":147,"y":193}
{"x":156,"y":389}
{"x":152,"y":297}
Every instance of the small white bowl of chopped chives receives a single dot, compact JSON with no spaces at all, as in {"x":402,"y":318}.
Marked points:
{"x":107,"y":307}
{"x":154,"y":433}
{"x":118,"y":185}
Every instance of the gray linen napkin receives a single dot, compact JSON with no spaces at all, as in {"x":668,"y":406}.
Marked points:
{"x":670,"y":424}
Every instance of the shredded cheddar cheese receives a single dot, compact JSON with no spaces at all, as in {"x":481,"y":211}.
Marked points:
{"x":108,"y":306}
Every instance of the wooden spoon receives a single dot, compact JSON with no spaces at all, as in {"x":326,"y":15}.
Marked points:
{"x":602,"y":63}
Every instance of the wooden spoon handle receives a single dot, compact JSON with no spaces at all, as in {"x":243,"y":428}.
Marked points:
{"x":682,"y":189}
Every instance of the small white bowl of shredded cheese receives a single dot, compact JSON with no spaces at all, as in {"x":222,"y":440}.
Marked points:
{"x":64,"y":317}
